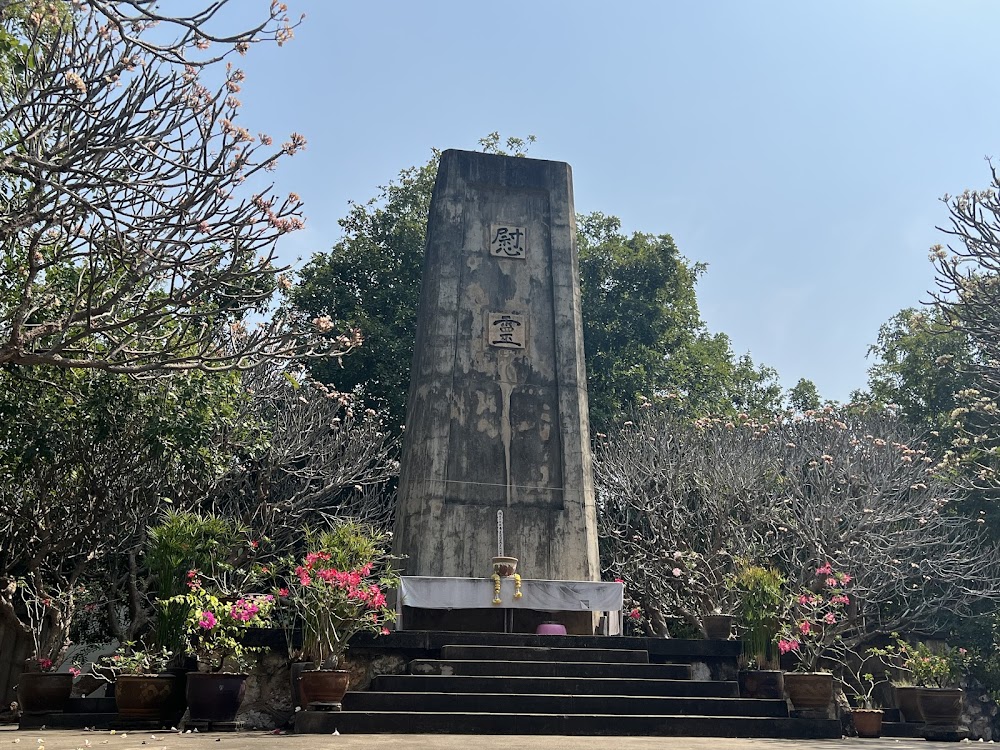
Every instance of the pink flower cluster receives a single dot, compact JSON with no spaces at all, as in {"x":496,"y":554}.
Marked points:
{"x":207,"y":620}
{"x":244,"y":610}
{"x":350,"y":581}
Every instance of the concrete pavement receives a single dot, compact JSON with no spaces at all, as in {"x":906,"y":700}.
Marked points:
{"x":72,"y":739}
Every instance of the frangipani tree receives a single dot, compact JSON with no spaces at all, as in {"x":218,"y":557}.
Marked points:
{"x":855,"y":492}
{"x":130,"y":240}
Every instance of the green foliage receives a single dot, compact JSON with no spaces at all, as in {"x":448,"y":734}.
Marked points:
{"x":215,"y":625}
{"x":921,"y":364}
{"x":804,"y":396}
{"x":943,"y":666}
{"x":191,"y":544}
{"x":760,"y":592}
{"x":130,"y":660}
{"x":370,"y":280}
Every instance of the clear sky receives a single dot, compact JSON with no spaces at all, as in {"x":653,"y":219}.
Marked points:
{"x":798,"y":148}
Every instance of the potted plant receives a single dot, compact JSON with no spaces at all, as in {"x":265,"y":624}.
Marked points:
{"x":143,"y":688}
{"x":860,"y":675}
{"x":42,"y":687}
{"x":213,"y":634}
{"x":760,"y":595}
{"x":938,"y":671}
{"x":813,"y":624}
{"x":905,"y":689}
{"x":335,"y":591}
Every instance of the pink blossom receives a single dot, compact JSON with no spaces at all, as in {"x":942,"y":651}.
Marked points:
{"x":634,"y":614}
{"x":282,"y":592}
{"x":384,"y":631}
{"x":619,"y":580}
{"x":845,"y":578}
{"x":45,"y":663}
{"x":207,"y":620}
{"x":829,"y":618}
{"x":804,"y":627}
{"x":676,"y":572}
{"x":839,"y":599}
{"x":831,"y":581}
{"x":824,"y":570}
{"x":788,"y":644}
{"x":74,"y":671}
{"x":303,"y":575}
{"x":805,"y":599}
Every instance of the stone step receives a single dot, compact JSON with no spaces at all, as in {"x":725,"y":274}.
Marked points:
{"x":554,"y":685}
{"x":548,"y":669}
{"x":544,"y":653}
{"x":619,"y":705}
{"x":406,"y":722}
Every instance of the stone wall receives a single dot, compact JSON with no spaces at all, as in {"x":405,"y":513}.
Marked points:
{"x":981,"y":715}
{"x":268,"y":700}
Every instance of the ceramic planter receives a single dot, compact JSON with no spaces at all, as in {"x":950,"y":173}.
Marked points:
{"x":324,"y":686}
{"x":150,"y":696}
{"x":718,"y":627}
{"x":761,"y":683}
{"x":941,"y":706}
{"x":215,"y":697}
{"x":810,"y":692}
{"x":44,"y":692}
{"x":908,"y":702}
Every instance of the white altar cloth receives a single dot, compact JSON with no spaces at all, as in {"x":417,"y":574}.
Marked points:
{"x":428,"y":592}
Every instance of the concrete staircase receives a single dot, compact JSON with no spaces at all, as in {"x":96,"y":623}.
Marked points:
{"x":578,"y":685}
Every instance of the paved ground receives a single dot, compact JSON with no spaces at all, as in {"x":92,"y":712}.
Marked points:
{"x":69,"y":739}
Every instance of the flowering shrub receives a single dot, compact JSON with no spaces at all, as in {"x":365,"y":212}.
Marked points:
{"x":214,"y":625}
{"x":338,"y":589}
{"x":815,"y":618}
{"x":939,"y":667}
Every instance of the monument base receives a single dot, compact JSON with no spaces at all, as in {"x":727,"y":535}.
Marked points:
{"x":512,"y":606}
{"x":497,"y":620}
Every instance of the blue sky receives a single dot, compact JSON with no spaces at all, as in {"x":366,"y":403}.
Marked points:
{"x":800,"y":149}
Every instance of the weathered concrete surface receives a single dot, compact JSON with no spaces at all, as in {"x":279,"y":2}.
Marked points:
{"x":497,"y":413}
{"x":71,"y":740}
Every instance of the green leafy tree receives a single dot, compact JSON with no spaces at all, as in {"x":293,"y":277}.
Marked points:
{"x":804,"y":396}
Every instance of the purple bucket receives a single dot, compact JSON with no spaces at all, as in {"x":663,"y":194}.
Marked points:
{"x":550,"y":628}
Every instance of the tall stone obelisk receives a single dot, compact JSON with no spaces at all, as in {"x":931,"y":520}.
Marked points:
{"x":497,"y":411}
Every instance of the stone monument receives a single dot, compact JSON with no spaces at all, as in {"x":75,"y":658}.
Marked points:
{"x":497,"y":411}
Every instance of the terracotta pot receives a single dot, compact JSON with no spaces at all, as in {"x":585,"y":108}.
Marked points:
{"x":44,"y":692}
{"x":908,"y":702}
{"x":151,"y":696}
{"x":324,"y":686}
{"x":941,"y":706}
{"x":867,"y":721}
{"x":809,"y":691}
{"x":215,"y":696}
{"x":761,"y":683}
{"x":718,"y":627}
{"x":504,"y":566}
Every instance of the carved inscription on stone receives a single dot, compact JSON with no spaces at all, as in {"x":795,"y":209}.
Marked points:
{"x":506,"y":330}
{"x":508,"y":241}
